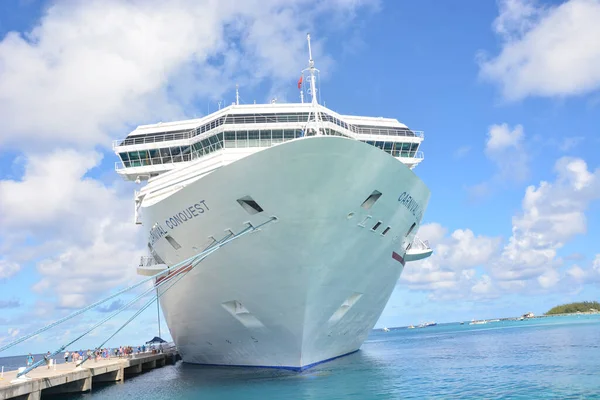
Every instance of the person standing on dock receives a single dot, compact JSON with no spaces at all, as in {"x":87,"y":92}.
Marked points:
{"x":47,"y":359}
{"x":66,"y":356}
{"x":29,"y":360}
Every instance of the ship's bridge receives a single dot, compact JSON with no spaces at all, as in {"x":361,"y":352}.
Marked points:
{"x":240,"y":130}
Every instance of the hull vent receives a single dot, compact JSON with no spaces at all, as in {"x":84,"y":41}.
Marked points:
{"x":251,"y":206}
{"x":173,"y":242}
{"x":373,"y":197}
{"x":239,"y":312}
{"x":345,"y":307}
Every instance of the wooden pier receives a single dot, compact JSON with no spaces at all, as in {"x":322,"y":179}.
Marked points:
{"x":67,"y":378}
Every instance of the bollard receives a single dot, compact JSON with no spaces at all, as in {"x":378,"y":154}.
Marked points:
{"x":54,"y":364}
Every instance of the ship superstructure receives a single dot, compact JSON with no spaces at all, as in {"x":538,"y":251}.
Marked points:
{"x":309,"y":287}
{"x":242,"y":129}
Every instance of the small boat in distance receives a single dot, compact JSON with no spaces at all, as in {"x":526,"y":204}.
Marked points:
{"x":385,"y":330}
{"x":473,"y":322}
{"x":411,"y":326}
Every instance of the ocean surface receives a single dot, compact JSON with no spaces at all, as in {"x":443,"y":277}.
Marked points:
{"x":546,"y":358}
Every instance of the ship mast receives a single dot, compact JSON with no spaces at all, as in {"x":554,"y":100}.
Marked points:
{"x":312,"y":73}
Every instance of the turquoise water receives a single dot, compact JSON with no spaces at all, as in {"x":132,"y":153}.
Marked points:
{"x":548,"y":358}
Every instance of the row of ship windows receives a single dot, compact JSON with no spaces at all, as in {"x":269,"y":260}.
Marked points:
{"x":258,"y":119}
{"x":241,"y":139}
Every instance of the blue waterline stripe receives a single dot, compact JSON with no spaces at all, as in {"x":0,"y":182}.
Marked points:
{"x":295,"y":369}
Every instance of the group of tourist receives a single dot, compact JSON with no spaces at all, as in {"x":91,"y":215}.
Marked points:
{"x":98,"y":354}
{"x":105,"y":353}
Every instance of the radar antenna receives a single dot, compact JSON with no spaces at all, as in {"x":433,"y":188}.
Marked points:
{"x":237,"y":94}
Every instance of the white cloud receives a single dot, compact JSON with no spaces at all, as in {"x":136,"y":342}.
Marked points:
{"x":500,"y":137}
{"x":516,"y":18}
{"x":92,"y":67}
{"x":577,"y":275}
{"x":51,"y":190}
{"x":88,"y":242}
{"x":8,"y":268}
{"x":548,"y":279}
{"x":553,"y":214}
{"x":450,"y":269}
{"x":483,"y":286}
{"x":546,"y":51}
{"x":576,"y":272}
{"x":504,"y":146}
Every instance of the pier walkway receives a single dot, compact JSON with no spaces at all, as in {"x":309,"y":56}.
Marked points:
{"x":67,"y":378}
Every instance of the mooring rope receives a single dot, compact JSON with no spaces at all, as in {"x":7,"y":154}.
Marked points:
{"x":81,"y":311}
{"x":172,"y":272}
{"x":145,"y":306}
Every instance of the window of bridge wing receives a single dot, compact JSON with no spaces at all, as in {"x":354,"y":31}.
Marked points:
{"x":242,"y":138}
{"x":253,"y":138}
{"x":154,"y":156}
{"x":134,"y":159}
{"x":176,"y":154}
{"x":186,"y":153}
{"x":289,"y":134}
{"x":265,"y":137}
{"x":205,"y":146}
{"x":125,"y":159}
{"x":143,"y":154}
{"x":405,"y":149}
{"x":197,"y":150}
{"x":229,"y":140}
{"x":277,"y":135}
{"x":165,"y":155}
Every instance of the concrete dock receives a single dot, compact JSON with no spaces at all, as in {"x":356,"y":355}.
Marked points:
{"x":67,"y":378}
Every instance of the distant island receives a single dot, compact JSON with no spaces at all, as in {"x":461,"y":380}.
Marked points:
{"x":571,"y":308}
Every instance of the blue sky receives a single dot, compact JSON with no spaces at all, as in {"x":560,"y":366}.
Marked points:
{"x":507,"y":93}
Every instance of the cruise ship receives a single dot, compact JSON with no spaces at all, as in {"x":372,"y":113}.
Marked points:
{"x":344,"y":206}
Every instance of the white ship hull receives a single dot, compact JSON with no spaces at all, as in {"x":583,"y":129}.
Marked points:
{"x":304,"y":289}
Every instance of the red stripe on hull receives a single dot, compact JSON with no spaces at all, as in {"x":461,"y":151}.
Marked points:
{"x":398,"y":258}
{"x":173,"y":273}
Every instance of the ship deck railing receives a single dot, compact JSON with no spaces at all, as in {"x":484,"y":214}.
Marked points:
{"x":148,"y":261}
{"x":170,"y":160}
{"x":168,"y":137}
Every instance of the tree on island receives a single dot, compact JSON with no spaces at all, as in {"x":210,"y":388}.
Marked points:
{"x":583,"y":306}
